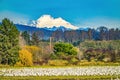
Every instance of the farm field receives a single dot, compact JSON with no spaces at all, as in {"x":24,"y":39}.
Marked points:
{"x":61,"y":73}
{"x":62,"y":78}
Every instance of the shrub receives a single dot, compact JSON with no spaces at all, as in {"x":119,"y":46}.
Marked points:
{"x":35,"y":51}
{"x":4,"y":66}
{"x":92,"y":63}
{"x":106,"y":60}
{"x":57,"y":62}
{"x":66,"y":48}
{"x":73,"y":61}
{"x":25,"y":57}
{"x":53,"y":56}
{"x":18,"y":64}
{"x":98,"y":63}
{"x":65,"y":51}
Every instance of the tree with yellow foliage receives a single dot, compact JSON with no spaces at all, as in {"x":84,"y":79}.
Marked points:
{"x":25,"y":57}
{"x":35,"y":51}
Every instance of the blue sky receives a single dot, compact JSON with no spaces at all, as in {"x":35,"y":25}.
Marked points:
{"x":81,"y":13}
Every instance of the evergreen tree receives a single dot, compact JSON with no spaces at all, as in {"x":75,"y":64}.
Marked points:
{"x":26,"y":37}
{"x":8,"y":42}
{"x":35,"y":39}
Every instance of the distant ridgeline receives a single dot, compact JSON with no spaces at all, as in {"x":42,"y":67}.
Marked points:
{"x":68,"y":35}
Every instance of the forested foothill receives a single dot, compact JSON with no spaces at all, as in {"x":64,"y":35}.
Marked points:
{"x":100,"y":46}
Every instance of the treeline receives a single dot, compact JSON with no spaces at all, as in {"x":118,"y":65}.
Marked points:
{"x":107,"y":51}
{"x":73,"y":36}
{"x":26,"y":49}
{"x":101,"y":44}
{"x":101,"y":33}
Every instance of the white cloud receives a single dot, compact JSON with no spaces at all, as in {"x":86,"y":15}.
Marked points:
{"x":48,"y":21}
{"x":15,"y":17}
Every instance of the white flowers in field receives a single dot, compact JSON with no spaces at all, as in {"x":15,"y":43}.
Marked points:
{"x":73,"y":71}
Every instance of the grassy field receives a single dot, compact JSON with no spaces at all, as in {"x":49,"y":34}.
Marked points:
{"x":61,"y":78}
{"x":85,"y":64}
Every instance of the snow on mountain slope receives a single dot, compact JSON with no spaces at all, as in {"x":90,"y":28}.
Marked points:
{"x":49,"y":22}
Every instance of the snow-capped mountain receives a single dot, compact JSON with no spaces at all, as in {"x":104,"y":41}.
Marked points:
{"x":47,"y":21}
{"x":47,"y":31}
{"x":33,"y":28}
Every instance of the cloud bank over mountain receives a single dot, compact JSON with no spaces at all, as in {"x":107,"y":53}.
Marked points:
{"x":49,"y":22}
